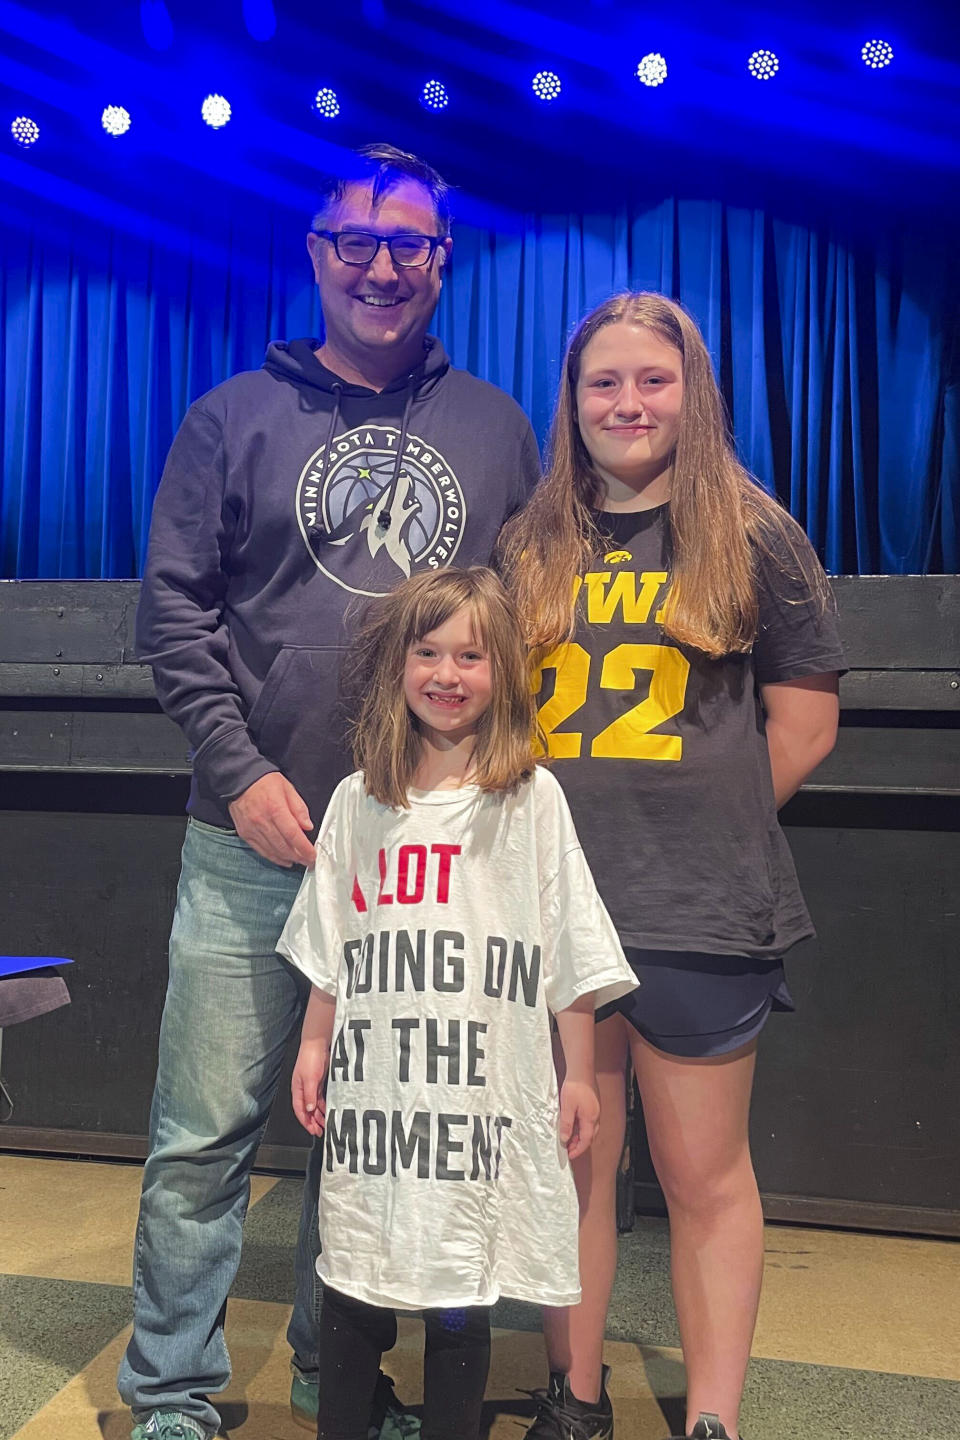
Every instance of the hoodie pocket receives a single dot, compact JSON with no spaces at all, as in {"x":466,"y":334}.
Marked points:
{"x":297,"y":720}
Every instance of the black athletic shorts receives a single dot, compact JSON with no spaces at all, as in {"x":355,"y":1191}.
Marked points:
{"x":698,"y":1005}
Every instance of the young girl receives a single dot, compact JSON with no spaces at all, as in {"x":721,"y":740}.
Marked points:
{"x":688,"y":685}
{"x":449,"y":913}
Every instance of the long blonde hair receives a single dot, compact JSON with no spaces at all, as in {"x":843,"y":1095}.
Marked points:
{"x":385,"y":733}
{"x":718,"y":513}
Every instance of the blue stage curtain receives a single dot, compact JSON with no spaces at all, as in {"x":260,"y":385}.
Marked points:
{"x":840,"y":362}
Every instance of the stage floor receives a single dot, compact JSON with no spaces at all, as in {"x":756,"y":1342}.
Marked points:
{"x":857,"y":1333}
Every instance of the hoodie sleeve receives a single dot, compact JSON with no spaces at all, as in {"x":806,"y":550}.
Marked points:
{"x":179,"y":631}
{"x":530,"y":469}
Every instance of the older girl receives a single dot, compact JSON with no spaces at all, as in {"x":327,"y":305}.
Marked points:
{"x":688,"y":663}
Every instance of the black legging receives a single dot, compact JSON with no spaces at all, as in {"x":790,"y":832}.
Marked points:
{"x":351,"y":1340}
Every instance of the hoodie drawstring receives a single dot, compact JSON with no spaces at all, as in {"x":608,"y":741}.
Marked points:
{"x":385,"y":519}
{"x":317,"y":531}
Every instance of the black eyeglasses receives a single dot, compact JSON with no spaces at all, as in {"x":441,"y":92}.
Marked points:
{"x":360,"y":247}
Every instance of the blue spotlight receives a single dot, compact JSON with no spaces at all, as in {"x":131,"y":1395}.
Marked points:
{"x":546,"y":85}
{"x":434,"y":96}
{"x":876,"y":54}
{"x":763,"y":64}
{"x":652,"y":69}
{"x":156,"y":24}
{"x":115,"y":120}
{"x":325,"y":103}
{"x":216,"y":111}
{"x":25,"y":131}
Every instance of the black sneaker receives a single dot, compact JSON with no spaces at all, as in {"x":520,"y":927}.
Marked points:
{"x":708,"y":1427}
{"x":561,"y":1416}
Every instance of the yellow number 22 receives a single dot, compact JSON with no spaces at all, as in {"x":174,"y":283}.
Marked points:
{"x":629,"y":736}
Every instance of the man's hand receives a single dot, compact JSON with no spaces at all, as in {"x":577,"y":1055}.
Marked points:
{"x":579,"y":1116}
{"x":306,"y":1086}
{"x":273,"y":818}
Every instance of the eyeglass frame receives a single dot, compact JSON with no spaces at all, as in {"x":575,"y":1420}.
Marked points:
{"x":334,"y":236}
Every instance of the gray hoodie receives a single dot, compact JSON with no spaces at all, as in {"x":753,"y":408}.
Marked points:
{"x":287,"y":498}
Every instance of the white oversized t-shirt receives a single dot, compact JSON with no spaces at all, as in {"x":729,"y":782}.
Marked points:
{"x":448,"y":932}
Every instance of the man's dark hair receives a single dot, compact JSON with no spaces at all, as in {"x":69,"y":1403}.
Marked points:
{"x":386,"y":166}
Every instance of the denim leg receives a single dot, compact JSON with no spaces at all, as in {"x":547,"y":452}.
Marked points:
{"x":232,"y":1004}
{"x":302,"y":1330}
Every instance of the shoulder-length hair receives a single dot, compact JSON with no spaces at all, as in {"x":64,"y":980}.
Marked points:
{"x":718,"y":513}
{"x":385,"y":734}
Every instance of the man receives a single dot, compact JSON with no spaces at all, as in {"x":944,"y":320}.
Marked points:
{"x":290,"y":493}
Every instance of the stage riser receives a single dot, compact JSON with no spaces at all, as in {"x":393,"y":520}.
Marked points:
{"x":854,"y":1119}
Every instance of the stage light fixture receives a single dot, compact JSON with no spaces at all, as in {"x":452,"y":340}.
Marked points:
{"x":763,"y":64}
{"x":25,"y":131}
{"x":876,"y":54}
{"x":652,"y":69}
{"x":326,"y":104}
{"x":216,"y":111}
{"x":546,"y":85}
{"x":115,"y":120}
{"x":434,"y":96}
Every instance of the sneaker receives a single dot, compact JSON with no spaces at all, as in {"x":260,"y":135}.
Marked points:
{"x":303,"y":1402}
{"x":169,"y":1425}
{"x":388,"y":1418}
{"x":708,"y":1427}
{"x":561,"y":1416}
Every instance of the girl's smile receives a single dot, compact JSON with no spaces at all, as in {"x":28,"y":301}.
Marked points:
{"x":446,"y":702}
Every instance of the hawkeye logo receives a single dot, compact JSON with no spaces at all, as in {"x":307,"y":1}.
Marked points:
{"x":363,"y":477}
{"x":617,"y":557}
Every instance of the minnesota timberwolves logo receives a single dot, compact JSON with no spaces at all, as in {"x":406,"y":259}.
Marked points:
{"x":366,"y":482}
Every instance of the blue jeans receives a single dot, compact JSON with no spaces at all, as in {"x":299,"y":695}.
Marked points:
{"x":232,"y":1004}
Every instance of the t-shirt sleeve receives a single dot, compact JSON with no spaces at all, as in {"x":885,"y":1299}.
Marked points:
{"x":582,"y":953}
{"x":796,"y":634}
{"x":312,"y":938}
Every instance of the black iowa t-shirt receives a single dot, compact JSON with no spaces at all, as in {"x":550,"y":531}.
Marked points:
{"x":663,"y":757}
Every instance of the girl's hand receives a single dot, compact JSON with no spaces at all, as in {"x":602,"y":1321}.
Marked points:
{"x":579,"y":1116}
{"x":306,"y":1086}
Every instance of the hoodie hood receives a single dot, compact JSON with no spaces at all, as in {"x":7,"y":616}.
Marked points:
{"x":296,"y":362}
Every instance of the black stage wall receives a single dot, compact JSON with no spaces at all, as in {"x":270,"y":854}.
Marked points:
{"x":855,"y":1115}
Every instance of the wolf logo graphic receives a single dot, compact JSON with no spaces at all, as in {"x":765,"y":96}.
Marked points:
{"x":407,"y":511}
{"x":402,"y":510}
